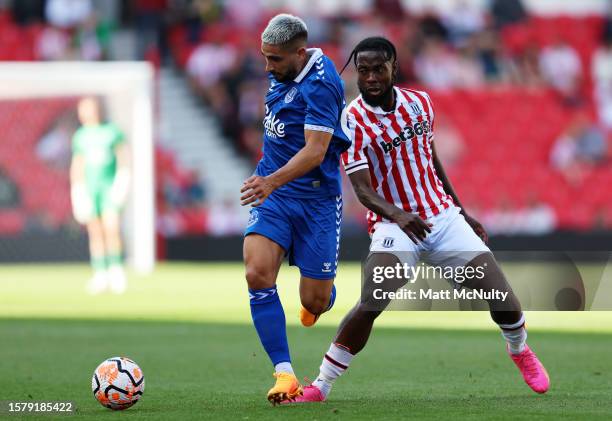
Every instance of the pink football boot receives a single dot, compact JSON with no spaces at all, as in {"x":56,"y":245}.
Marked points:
{"x":311,"y":394}
{"x":531,"y":368}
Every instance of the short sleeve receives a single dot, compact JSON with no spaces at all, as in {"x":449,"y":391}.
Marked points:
{"x":323,"y":106}
{"x":355,"y":157}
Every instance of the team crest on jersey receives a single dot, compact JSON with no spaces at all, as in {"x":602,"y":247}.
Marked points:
{"x":416,"y":108}
{"x":388,"y":242}
{"x":253,"y":217}
{"x":290,"y":95}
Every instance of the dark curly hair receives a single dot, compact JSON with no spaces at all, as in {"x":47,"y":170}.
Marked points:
{"x":373,"y":44}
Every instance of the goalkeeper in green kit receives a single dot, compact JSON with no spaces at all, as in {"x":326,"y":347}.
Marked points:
{"x":99,"y":185}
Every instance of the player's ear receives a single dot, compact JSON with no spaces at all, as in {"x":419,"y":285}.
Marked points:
{"x":301,"y":51}
{"x":394,"y":70}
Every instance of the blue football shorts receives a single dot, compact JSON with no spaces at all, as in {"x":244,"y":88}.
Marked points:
{"x":307,"y":229}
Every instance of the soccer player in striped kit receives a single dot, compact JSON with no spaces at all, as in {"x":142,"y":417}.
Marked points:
{"x":414,"y":213}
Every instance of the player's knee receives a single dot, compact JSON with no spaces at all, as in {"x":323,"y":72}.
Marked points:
{"x":367,"y":312}
{"x":316,"y":304}
{"x":96,"y":239}
{"x":258,"y":277}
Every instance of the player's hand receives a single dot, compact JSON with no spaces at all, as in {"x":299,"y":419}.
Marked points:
{"x":256,"y":189}
{"x":120,"y":188}
{"x":82,"y":207}
{"x":414,"y":227}
{"x":477,"y":227}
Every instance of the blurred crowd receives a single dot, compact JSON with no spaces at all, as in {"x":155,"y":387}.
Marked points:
{"x":463,"y":47}
{"x":460,"y":49}
{"x":55,"y":30}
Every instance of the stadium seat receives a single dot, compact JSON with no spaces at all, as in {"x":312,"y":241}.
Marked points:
{"x":12,"y":221}
{"x":508,"y":153}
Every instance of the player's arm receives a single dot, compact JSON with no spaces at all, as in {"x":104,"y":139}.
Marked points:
{"x":448,"y":188}
{"x":258,"y":188}
{"x":123,"y":157}
{"x":410,"y":223}
{"x":79,"y":197}
{"x":77,"y":169}
{"x":307,"y":159}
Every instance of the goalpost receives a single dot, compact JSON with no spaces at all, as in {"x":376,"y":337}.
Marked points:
{"x":127,"y":88}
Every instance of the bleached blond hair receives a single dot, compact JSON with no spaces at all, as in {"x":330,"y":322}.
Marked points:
{"x":283,"y":29}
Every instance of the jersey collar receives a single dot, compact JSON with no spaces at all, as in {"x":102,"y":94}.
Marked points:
{"x":316,"y":54}
{"x":379,"y":110}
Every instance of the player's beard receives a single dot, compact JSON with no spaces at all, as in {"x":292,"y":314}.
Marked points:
{"x":378,"y":100}
{"x":287,"y":77}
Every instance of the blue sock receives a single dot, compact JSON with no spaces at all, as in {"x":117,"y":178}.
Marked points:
{"x":332,"y":298}
{"x":269,"y":320}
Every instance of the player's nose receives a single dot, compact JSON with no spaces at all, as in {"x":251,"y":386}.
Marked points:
{"x":371,"y":78}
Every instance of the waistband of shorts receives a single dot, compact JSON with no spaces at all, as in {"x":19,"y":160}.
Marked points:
{"x":451,"y":212}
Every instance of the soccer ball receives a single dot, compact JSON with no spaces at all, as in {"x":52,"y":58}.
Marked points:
{"x":118,"y":383}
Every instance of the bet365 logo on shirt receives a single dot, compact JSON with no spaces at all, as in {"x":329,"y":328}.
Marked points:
{"x":273,"y":126}
{"x":409,"y":131}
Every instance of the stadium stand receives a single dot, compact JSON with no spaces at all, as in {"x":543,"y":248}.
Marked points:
{"x":43,"y":189}
{"x":491,"y":86}
{"x":508,"y":131}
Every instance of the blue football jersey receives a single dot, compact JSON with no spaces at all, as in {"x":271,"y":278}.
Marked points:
{"x":314,"y":100}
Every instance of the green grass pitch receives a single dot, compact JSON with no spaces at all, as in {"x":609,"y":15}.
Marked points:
{"x":188,"y":327}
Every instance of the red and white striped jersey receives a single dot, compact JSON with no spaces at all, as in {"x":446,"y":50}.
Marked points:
{"x":396,"y":147}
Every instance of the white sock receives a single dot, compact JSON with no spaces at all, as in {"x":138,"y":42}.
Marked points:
{"x":515,"y":335}
{"x":117,"y":279}
{"x":284,"y":367}
{"x":335,"y":362}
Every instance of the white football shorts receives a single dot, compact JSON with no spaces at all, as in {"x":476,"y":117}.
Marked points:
{"x":451,"y":242}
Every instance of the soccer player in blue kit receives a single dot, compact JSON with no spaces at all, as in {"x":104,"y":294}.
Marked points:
{"x":296,"y":190}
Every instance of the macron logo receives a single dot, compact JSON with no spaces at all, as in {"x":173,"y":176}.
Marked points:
{"x":273,"y":126}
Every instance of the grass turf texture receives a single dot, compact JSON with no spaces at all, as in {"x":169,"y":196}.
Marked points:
{"x":188,"y":327}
